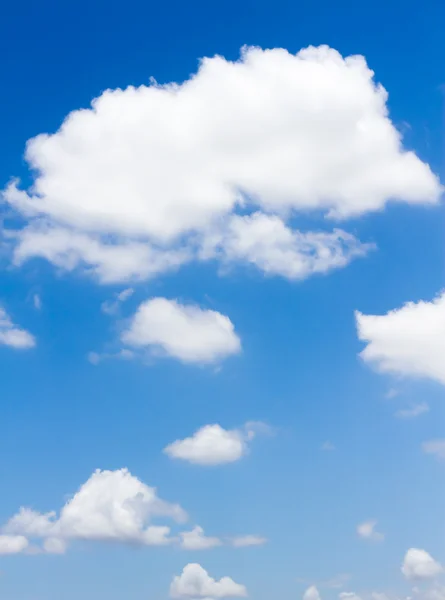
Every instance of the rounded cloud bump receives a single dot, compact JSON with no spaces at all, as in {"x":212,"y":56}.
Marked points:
{"x":136,"y":184}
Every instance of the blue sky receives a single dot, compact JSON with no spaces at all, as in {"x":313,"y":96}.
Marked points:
{"x":184,"y":267}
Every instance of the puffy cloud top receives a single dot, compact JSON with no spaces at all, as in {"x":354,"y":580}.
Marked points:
{"x":110,"y":506}
{"x":408,"y":341}
{"x":194,"y":582}
{"x":186,"y":332}
{"x":419,"y":564}
{"x":136,"y":184}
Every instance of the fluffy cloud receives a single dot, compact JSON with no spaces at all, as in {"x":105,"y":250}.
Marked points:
{"x":212,"y":445}
{"x":265,"y":242}
{"x":124,"y":188}
{"x":125,"y":260}
{"x":196,"y":540}
{"x":435,"y":447}
{"x":311,"y":593}
{"x":12,"y":544}
{"x":110,"y":506}
{"x":185,"y":332}
{"x":12,"y":335}
{"x":366,"y":530}
{"x":242,"y":541}
{"x":413,"y":411}
{"x":418,"y":564}
{"x":194,"y":582}
{"x":408,"y":341}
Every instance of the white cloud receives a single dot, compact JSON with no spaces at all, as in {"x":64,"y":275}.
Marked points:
{"x":413,"y":411}
{"x":122,"y":261}
{"x":366,"y":530}
{"x":122,"y":188}
{"x":11,"y":335}
{"x":408,"y":341}
{"x":242,"y":541}
{"x":186,"y":332}
{"x":435,"y":447}
{"x":311,"y":593}
{"x":194,"y":582}
{"x":212,"y":445}
{"x":349,"y":596}
{"x":110,"y":506}
{"x":111,"y":307}
{"x":418,"y":564}
{"x":12,"y":544}
{"x":197,"y":540}
{"x":266,"y":242}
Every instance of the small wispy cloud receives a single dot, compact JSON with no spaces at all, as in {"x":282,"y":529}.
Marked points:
{"x":336,"y":582}
{"x":367,"y":531}
{"x":413,"y":411}
{"x":327,"y":446}
{"x":95,"y":357}
{"x":111,"y":307}
{"x":435,"y":447}
{"x":12,"y":335}
{"x":243,"y":541}
{"x":37,"y":301}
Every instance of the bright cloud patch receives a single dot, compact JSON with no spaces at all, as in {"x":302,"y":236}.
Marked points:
{"x":12,"y":544}
{"x":110,"y":506}
{"x":69,"y":249}
{"x":311,"y":593}
{"x":367,"y":531}
{"x":185,"y":332}
{"x":213,"y":445}
{"x":408,"y":341}
{"x":12,"y":335}
{"x":267,"y":243}
{"x":126,"y":188}
{"x":197,"y":540}
{"x":418,"y":564}
{"x":194,"y":582}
